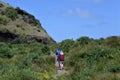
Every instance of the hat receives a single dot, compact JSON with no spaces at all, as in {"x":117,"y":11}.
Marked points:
{"x":61,"y":53}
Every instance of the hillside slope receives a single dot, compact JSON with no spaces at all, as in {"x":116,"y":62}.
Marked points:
{"x":17,"y":24}
{"x":85,"y":59}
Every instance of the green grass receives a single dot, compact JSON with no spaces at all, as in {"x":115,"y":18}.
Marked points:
{"x":32,"y":61}
{"x":93,"y":59}
{"x":27,"y":62}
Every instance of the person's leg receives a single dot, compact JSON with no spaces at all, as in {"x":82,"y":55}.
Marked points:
{"x":58,"y":59}
{"x":56,"y":64}
{"x":62,"y":65}
{"x":59,"y":64}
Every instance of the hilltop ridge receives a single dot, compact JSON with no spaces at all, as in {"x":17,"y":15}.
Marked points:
{"x":17,"y":24}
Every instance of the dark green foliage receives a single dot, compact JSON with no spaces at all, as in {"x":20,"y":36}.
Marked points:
{"x":115,"y":68}
{"x":46,"y":50}
{"x":36,"y":23}
{"x":100,"y":41}
{"x":11,"y":13}
{"x":18,"y":26}
{"x":66,"y":45}
{"x":84,"y":40}
{"x":98,"y":54}
{"x":38,"y":30}
{"x":5,"y":51}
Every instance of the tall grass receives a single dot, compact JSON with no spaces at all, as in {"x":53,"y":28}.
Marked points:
{"x":93,"y":60}
{"x":27,"y":62}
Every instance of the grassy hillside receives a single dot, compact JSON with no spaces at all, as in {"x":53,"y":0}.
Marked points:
{"x":20,"y":24}
{"x":85,"y":59}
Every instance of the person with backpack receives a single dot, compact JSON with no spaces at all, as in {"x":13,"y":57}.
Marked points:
{"x":61,"y":58}
{"x":57,"y":57}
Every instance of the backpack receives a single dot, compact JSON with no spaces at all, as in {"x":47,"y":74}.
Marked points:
{"x":58,"y":52}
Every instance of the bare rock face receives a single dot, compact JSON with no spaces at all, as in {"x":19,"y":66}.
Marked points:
{"x":11,"y":37}
{"x":7,"y":36}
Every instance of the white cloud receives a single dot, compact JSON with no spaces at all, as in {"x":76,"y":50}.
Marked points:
{"x":80,"y":13}
{"x":69,"y":12}
{"x":83,"y":13}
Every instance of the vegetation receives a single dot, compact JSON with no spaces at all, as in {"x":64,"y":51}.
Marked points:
{"x":3,"y":21}
{"x":85,"y":59}
{"x":19,"y":25}
{"x":11,"y":13}
{"x":28,"y":61}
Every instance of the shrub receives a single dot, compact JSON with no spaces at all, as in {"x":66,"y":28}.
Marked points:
{"x":66,"y":45}
{"x":3,"y":21}
{"x":18,"y":26}
{"x":115,"y":68}
{"x":98,"y":54}
{"x":5,"y":51}
{"x":113,"y":41}
{"x":36,"y":23}
{"x":84,"y":40}
{"x":100,"y":41}
{"x":11,"y":13}
{"x":46,"y":50}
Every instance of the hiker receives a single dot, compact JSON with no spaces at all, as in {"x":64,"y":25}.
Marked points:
{"x":57,"y":58}
{"x":61,"y":58}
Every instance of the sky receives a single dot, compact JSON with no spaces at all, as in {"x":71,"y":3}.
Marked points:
{"x":72,"y":19}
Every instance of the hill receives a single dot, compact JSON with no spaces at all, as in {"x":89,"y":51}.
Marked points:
{"x":18,"y":25}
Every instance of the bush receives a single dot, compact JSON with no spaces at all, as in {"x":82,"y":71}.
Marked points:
{"x":98,"y":54}
{"x":83,"y":40}
{"x":11,"y":13}
{"x":36,"y":23}
{"x":45,"y":50}
{"x":115,"y":69}
{"x":18,"y":26}
{"x":113,"y":41}
{"x":66,"y":45}
{"x":5,"y":51}
{"x":3,"y":21}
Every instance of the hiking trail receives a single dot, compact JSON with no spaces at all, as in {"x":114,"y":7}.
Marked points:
{"x":59,"y":72}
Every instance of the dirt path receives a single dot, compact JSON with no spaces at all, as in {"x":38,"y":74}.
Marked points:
{"x":61,"y":72}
